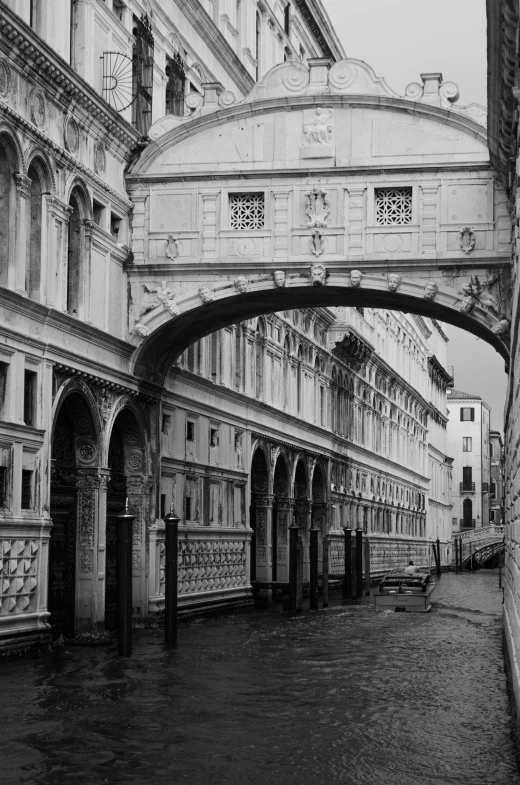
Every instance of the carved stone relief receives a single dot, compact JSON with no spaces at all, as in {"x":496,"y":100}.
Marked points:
{"x":173,"y":247}
{"x":317,"y":207}
{"x":393,"y":282}
{"x":317,"y":243}
{"x":206,"y":295}
{"x":318,"y":275}
{"x":320,"y":129}
{"x":241,"y":284}
{"x":467,"y":240}
{"x":430,"y":291}
{"x":153,"y":297}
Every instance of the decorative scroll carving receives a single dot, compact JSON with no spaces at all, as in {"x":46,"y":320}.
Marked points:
{"x":86,"y":514}
{"x":317,"y":243}
{"x":317,"y":203}
{"x":320,"y":129}
{"x":173,"y":247}
{"x":105,"y":399}
{"x":501,"y":327}
{"x":141,"y":331}
{"x":467,"y":240}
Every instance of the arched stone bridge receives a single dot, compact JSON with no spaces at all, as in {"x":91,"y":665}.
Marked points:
{"x":480,"y":543}
{"x":322,"y":187}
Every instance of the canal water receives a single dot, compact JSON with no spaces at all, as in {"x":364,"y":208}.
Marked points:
{"x":343,"y":696}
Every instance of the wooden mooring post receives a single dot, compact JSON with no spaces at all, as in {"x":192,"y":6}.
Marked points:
{"x":367,"y":567}
{"x":347,"y":582}
{"x":171,"y":555}
{"x":325,"y":572}
{"x":313,"y":565}
{"x":125,"y":523}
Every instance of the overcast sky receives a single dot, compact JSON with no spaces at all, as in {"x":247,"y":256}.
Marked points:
{"x":401,"y":39}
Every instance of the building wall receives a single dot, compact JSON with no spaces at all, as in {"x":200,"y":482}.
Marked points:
{"x":477,"y":458}
{"x":496,"y":488}
{"x":340,"y":444}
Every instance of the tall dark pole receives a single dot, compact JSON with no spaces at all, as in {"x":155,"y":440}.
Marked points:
{"x":359,"y":562}
{"x":325,"y":572}
{"x":347,"y":583}
{"x":293,"y":567}
{"x":313,"y":559}
{"x":124,"y":579}
{"x":438,"y":556}
{"x":171,"y":551}
{"x":456,"y":546}
{"x":367,"y":567}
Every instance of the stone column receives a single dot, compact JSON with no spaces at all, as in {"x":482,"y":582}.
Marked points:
{"x":138,"y":488}
{"x":16,"y":276}
{"x":284,"y":519}
{"x":54,"y":265}
{"x":303,"y":520}
{"x":209,"y":223}
{"x":430,"y":227}
{"x":281,"y":219}
{"x":84,"y":310}
{"x":90,"y":548}
{"x":355,"y":221}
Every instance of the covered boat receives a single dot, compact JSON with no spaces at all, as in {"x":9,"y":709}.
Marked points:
{"x":405,"y":592}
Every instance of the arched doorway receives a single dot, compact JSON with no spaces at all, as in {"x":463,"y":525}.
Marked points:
{"x":73,"y":513}
{"x":467,"y":514}
{"x":127,"y":480}
{"x":281,"y":521}
{"x":260,"y":514}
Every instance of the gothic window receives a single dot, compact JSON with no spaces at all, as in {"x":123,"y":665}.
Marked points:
{"x":393,"y":206}
{"x":6,"y":211}
{"x":34,"y":235}
{"x":247,"y":211}
{"x":175,"y":85}
{"x":142,"y":74}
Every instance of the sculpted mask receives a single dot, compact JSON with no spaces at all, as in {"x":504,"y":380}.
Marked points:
{"x":393,"y":282}
{"x":430,"y":291}
{"x":279,"y":278}
{"x":241,"y":284}
{"x":205,"y":294}
{"x":318,"y":275}
{"x":355,"y":278}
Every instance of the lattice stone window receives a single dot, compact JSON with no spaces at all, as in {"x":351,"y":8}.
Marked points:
{"x":247,"y":211}
{"x":393,"y":206}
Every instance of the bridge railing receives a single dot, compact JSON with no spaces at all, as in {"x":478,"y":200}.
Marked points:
{"x":479,"y":541}
{"x":479,"y":534}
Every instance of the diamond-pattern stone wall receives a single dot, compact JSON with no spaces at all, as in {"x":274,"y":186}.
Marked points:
{"x":18,"y":576}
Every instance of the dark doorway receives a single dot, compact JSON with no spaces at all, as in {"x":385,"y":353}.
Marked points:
{"x":116,"y":498}
{"x":467,"y":514}
{"x":63,"y":510}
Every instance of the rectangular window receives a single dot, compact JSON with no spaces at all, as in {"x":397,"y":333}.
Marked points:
{"x":98,"y":213}
{"x":287,"y":19}
{"x":4,"y":368}
{"x":467,"y":414}
{"x":188,"y":508}
{"x":467,"y":444}
{"x":467,"y":476}
{"x":491,"y":450}
{"x":175,"y":87}
{"x":493,"y":490}
{"x":393,"y":206}
{"x":142,"y":74}
{"x":492,"y":516}
{"x":190,"y":431}
{"x":115,"y":226}
{"x":27,"y":501}
{"x":29,"y":398}
{"x":247,"y":211}
{"x":3,"y":486}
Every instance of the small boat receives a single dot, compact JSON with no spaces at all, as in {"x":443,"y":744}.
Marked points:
{"x":403,"y":592}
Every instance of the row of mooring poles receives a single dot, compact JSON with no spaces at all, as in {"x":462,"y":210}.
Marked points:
{"x":125,"y":523}
{"x":458,"y":554}
{"x":348,"y":579}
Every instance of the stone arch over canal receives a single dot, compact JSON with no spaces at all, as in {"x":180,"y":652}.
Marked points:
{"x":323,"y":187}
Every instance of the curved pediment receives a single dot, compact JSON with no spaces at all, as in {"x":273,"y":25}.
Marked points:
{"x":300,"y":118}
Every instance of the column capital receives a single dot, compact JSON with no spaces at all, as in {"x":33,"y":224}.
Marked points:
{"x":23,"y":184}
{"x":94,"y":478}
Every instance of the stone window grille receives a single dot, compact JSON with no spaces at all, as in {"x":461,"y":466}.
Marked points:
{"x":247,"y":211}
{"x":393,"y":206}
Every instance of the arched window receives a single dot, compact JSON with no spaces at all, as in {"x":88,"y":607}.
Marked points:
{"x":239,"y":373}
{"x":258,"y":46}
{"x":34,"y":235}
{"x":299,"y":382}
{"x":287,"y":373}
{"x":73,"y":282}
{"x":7,"y":212}
{"x":259,"y":358}
{"x":467,"y":514}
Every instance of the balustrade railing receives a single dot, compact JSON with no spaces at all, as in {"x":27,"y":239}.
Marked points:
{"x":467,"y":487}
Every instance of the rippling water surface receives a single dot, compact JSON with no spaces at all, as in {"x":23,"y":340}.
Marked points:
{"x":340,"y":696}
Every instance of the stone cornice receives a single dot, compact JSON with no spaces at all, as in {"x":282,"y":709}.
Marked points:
{"x":319,"y":24}
{"x":502,"y":22}
{"x":47,"y":315}
{"x":285,"y":103}
{"x":63,"y":154}
{"x":61,"y":77}
{"x":215,"y":41}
